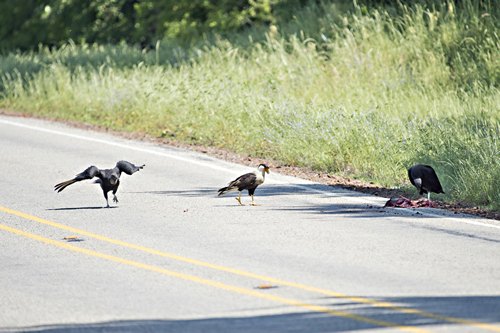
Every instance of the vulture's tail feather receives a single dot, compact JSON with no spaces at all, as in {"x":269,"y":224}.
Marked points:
{"x":61,"y":186}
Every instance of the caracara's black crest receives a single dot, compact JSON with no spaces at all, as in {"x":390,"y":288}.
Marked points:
{"x":109,"y":179}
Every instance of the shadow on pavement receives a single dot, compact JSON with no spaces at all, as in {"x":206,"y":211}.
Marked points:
{"x":265,"y":190}
{"x":82,"y":208}
{"x":370,"y":209}
{"x":443,"y":311}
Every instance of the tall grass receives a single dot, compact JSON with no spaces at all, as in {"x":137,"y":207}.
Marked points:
{"x":362,"y":94}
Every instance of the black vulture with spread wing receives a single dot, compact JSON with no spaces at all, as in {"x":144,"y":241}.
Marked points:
{"x":248,"y":181}
{"x":425,"y":179}
{"x":109,"y":179}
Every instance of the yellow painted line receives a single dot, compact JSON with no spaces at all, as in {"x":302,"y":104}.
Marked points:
{"x":361,"y":300}
{"x":211,"y":283}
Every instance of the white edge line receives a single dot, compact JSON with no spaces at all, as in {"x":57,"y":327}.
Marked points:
{"x":115,"y":144}
{"x":207,"y":165}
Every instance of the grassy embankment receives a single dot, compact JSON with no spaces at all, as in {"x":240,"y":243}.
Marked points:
{"x":359,"y":94}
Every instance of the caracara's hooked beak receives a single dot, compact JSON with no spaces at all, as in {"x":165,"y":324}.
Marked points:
{"x":266,"y":169}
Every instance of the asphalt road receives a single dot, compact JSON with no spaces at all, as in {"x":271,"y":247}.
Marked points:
{"x":174,"y":257}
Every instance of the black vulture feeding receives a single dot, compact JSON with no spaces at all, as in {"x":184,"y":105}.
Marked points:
{"x":248,"y":181}
{"x":424,"y":178}
{"x":109,"y":179}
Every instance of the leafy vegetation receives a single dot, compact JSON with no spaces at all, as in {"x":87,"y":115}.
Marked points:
{"x":27,"y":24}
{"x":363,"y":91}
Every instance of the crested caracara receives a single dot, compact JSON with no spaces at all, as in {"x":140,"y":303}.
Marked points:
{"x":248,"y":181}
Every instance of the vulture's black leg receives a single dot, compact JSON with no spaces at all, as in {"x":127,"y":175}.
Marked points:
{"x":115,"y":198}
{"x":106,"y":197}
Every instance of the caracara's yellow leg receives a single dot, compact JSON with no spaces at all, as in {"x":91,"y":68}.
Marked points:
{"x":239,"y":199}
{"x":253,"y":202}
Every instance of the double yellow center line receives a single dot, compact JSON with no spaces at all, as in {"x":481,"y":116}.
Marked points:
{"x":227,"y":287}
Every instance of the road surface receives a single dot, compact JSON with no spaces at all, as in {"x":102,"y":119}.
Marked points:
{"x":174,"y":257}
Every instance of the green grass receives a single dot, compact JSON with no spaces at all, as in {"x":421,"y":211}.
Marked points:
{"x":361,"y":94}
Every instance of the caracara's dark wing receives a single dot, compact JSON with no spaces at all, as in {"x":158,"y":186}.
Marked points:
{"x":243,"y":182}
{"x":89,"y":173}
{"x":128,"y":167}
{"x":246,"y":181}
